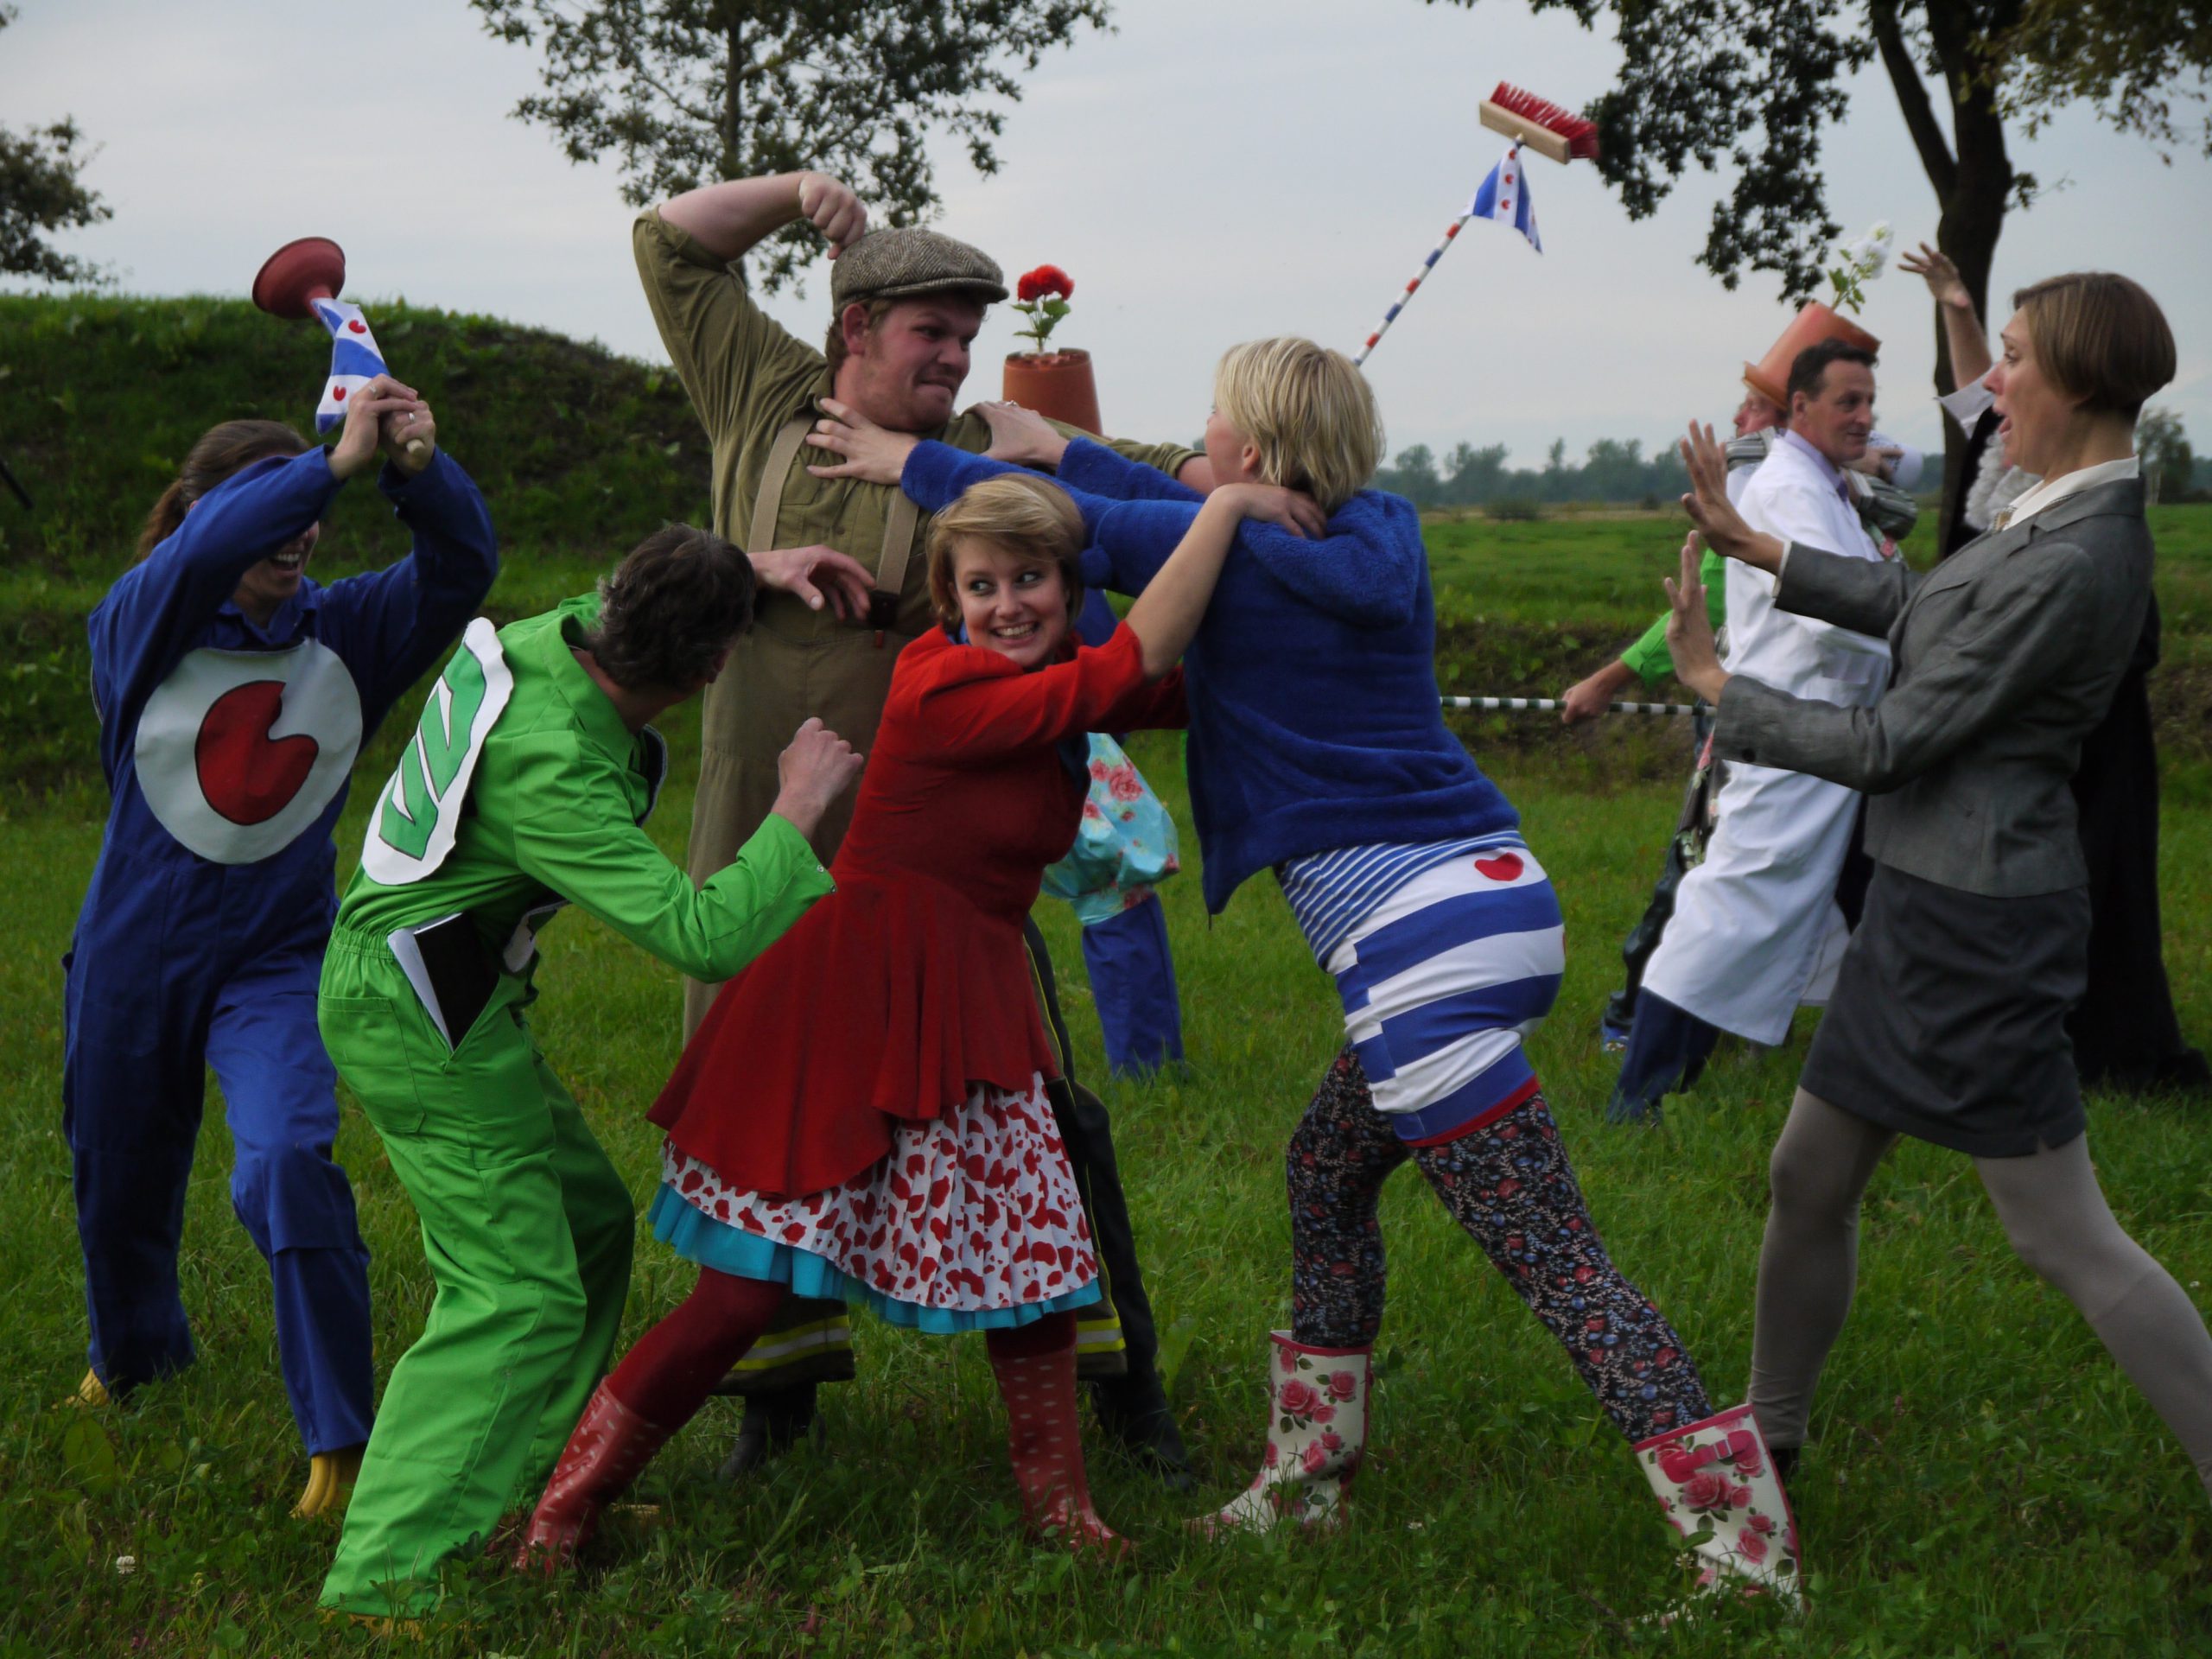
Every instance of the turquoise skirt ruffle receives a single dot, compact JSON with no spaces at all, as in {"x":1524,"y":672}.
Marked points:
{"x":700,"y":1239}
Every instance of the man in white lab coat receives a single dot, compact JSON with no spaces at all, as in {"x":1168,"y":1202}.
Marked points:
{"x":1756,"y":921}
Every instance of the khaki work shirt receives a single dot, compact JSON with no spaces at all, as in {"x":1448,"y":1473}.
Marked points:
{"x":747,"y":377}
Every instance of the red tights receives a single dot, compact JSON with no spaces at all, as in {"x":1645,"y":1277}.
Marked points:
{"x":669,"y":1375}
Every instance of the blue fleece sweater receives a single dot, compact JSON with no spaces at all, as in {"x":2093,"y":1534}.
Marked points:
{"x":1315,"y":717}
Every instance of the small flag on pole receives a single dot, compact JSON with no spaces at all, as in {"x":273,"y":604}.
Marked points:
{"x":354,"y":359}
{"x":1504,"y":197}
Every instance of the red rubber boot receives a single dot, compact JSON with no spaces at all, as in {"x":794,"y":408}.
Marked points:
{"x":1043,"y":1442}
{"x":611,"y":1445}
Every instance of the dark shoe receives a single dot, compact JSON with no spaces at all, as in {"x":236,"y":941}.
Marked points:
{"x":1784,"y":1459}
{"x":1134,"y":1412}
{"x":773,"y":1424}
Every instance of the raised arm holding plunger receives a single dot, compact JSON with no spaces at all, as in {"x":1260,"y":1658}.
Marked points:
{"x":301,"y":279}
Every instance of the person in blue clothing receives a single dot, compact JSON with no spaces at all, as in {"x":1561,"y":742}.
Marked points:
{"x":233,"y":693}
{"x":1318,"y":749}
{"x":1125,"y":955}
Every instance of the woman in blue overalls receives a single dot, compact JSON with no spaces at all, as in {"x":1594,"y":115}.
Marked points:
{"x":233,"y":693}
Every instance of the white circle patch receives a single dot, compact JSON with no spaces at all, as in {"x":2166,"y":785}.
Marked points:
{"x":239,"y":751}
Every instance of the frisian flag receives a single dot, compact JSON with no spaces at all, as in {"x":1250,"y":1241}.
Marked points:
{"x":1504,"y":197}
{"x":354,"y":359}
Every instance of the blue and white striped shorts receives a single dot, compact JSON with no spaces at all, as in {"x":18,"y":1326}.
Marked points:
{"x":1442,"y":980}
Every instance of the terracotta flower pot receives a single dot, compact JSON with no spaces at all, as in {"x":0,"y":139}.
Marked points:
{"x":1057,"y":384}
{"x":1770,"y":377}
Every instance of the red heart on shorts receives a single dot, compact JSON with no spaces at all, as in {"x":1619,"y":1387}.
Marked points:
{"x":1503,"y":867}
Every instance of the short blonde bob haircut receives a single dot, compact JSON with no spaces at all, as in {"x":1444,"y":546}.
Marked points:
{"x":1024,"y":514}
{"x":1309,"y":411}
{"x":2099,"y":337}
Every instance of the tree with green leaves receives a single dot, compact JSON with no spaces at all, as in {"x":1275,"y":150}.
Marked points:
{"x":41,"y":193}
{"x":688,"y":92}
{"x":2168,"y":463}
{"x":1747,"y":86}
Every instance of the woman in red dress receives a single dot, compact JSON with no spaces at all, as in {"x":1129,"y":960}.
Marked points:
{"x":861,"y":1115}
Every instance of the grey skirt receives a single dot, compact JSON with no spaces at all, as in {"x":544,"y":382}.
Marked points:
{"x":1948,"y":1021}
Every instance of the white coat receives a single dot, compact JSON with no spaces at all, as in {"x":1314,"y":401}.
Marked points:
{"x":1755,"y":924}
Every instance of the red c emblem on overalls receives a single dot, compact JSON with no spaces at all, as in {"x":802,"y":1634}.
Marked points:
{"x":248,"y":776}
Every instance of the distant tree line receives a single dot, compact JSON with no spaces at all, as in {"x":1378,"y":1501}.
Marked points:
{"x":1613,"y":470}
{"x":1617,"y":471}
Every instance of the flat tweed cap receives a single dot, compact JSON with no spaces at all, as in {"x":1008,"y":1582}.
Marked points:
{"x":893,"y":264}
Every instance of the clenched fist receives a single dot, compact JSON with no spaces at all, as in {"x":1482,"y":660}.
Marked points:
{"x":817,"y":768}
{"x":831,"y":208}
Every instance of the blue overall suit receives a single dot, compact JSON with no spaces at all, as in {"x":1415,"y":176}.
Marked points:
{"x":227,"y":747}
{"x":1131,"y":969}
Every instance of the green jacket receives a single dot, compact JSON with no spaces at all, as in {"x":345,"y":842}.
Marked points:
{"x":1648,"y":656}
{"x":505,"y":811}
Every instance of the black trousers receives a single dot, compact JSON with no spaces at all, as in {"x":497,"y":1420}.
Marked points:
{"x":2124,"y":1032}
{"x":1685,"y":847}
{"x":1116,"y":1341}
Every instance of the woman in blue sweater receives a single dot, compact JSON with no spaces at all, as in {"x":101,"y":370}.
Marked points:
{"x":1317,"y":748}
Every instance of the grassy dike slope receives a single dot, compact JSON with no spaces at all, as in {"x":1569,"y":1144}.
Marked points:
{"x":578,"y":451}
{"x":1984,"y":1482}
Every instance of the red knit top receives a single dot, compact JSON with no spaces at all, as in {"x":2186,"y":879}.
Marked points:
{"x":895,"y":995}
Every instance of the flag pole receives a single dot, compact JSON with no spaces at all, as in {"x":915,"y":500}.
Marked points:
{"x":1554,"y":132}
{"x":1451,"y":233}
{"x":1544,"y":705}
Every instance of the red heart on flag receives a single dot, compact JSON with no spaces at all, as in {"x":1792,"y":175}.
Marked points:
{"x":338,"y":394}
{"x":358,"y":327}
{"x":1503,"y":867}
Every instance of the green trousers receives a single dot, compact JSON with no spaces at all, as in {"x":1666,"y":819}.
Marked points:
{"x":528,"y":1230}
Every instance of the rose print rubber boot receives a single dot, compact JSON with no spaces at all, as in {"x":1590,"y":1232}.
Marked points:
{"x":1716,"y":1481}
{"x":1317,"y":1430}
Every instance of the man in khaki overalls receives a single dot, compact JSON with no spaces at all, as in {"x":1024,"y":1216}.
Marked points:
{"x":907,"y":305}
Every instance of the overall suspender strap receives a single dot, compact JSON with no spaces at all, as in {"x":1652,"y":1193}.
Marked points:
{"x":761,"y":535}
{"x":898,"y":527}
{"x":899,"y":524}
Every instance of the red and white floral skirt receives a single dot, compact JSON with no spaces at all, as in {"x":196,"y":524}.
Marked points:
{"x":971,"y":1222}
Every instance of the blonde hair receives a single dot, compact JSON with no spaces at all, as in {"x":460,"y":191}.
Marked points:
{"x":2099,"y":337}
{"x":1308,"y":410}
{"x":1018,"y":511}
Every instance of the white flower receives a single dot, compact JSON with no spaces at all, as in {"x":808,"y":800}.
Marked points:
{"x":1868,"y":256}
{"x":126,"y":1565}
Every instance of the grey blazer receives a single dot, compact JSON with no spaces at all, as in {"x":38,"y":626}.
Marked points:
{"x":2006,"y":654}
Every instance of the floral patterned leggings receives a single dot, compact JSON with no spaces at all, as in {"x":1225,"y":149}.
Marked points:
{"x":1510,"y":1185}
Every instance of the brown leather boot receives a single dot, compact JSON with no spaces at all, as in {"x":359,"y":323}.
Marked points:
{"x":1045,"y":1445}
{"x":611,"y":1445}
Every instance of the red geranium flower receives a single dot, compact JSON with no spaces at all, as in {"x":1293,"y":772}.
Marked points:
{"x":1045,"y":279}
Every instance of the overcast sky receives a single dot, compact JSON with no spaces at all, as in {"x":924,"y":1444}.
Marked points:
{"x":1217,"y":169}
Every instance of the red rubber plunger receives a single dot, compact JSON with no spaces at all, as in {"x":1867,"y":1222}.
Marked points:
{"x":310,"y":269}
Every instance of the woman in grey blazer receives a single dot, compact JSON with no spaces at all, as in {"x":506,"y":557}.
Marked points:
{"x":1948,"y":1018}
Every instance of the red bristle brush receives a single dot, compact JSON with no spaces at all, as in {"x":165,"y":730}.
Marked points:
{"x":1554,"y":132}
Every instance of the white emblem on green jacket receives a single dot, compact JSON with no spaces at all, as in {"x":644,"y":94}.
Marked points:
{"x":412,"y":826}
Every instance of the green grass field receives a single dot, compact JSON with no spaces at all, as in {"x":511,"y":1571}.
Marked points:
{"x":1984,"y":1482}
